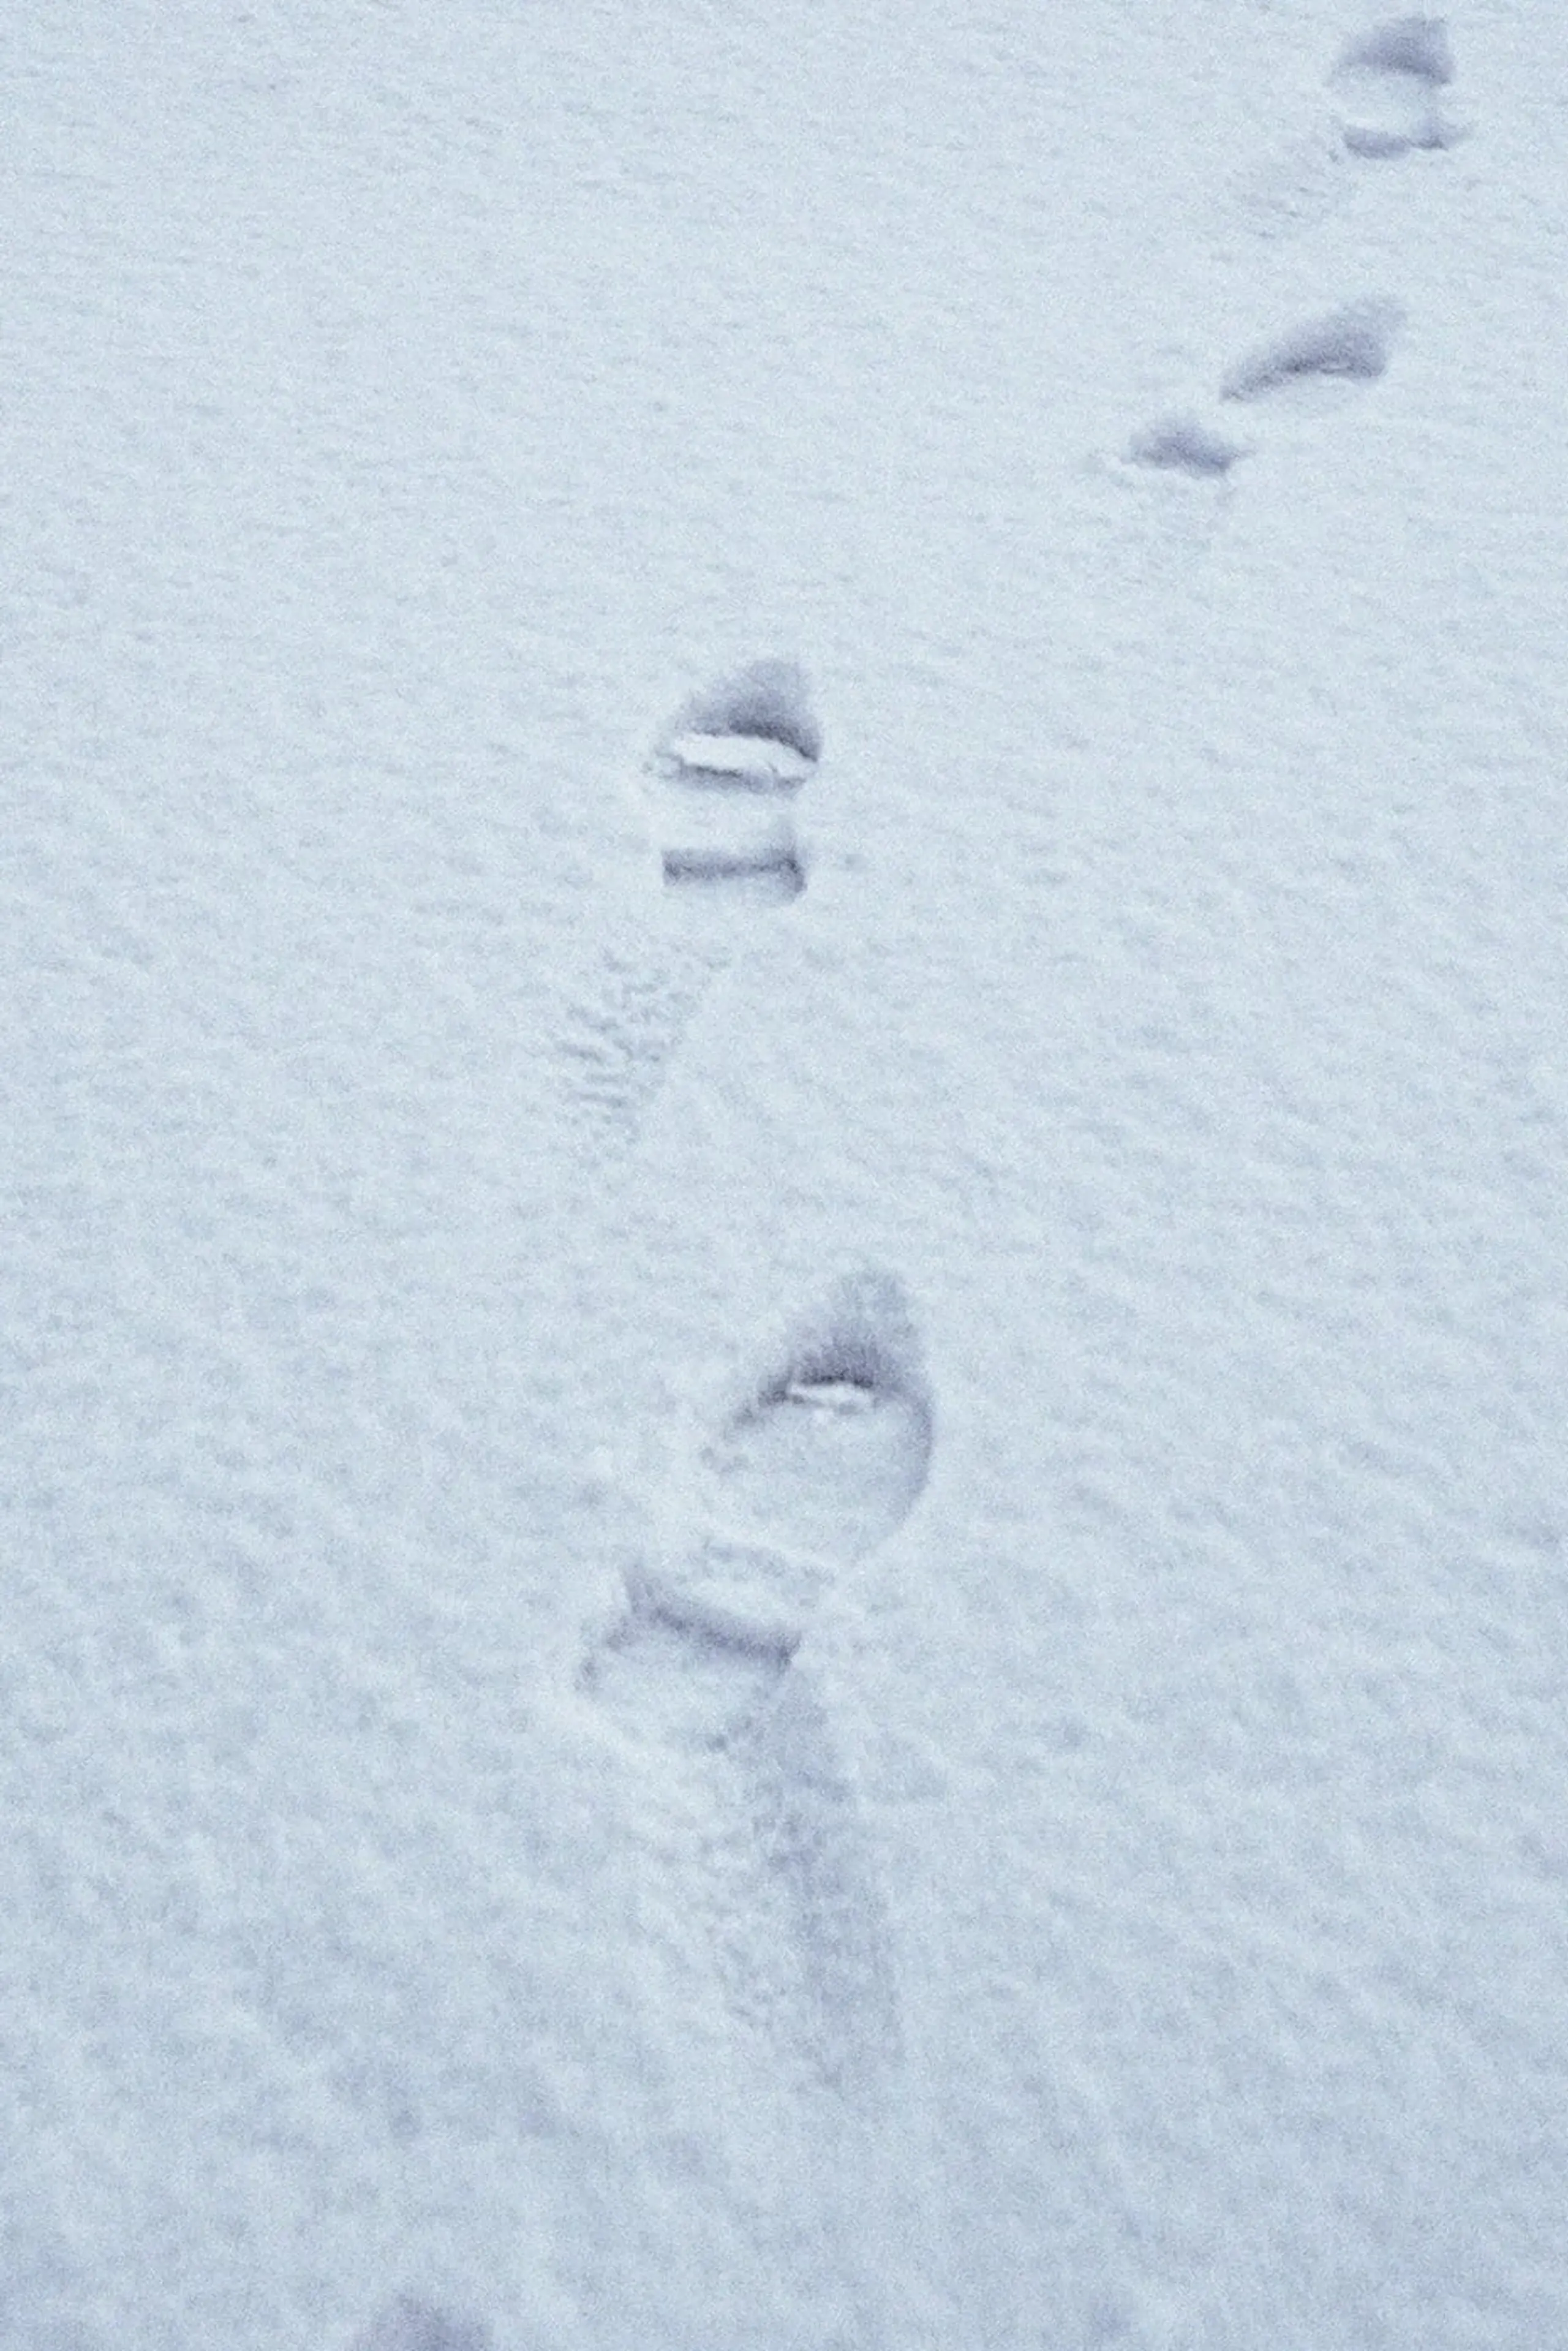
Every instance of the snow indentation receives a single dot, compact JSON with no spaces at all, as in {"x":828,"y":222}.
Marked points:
{"x":843,"y":2026}
{"x":1340,"y":349}
{"x":828,"y":1452}
{"x":820,"y":1460}
{"x":678,"y":1677}
{"x":409,"y":2325}
{"x":1185,"y":444}
{"x":717,"y":794}
{"x":1386,"y":86}
{"x":617,"y":1042}
{"x":723,"y":779}
{"x":817,"y":1461}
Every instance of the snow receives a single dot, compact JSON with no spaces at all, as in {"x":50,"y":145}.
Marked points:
{"x":789,"y":1577}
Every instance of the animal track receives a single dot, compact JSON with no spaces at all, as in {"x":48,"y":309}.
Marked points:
{"x":1344,"y":347}
{"x":724,"y":778}
{"x":1386,"y":86}
{"x":818,"y":1459}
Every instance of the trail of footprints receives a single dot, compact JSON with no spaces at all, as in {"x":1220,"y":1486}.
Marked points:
{"x":1387,"y":89}
{"x":825,"y":1450}
{"x":719,"y":794}
{"x":824,"y":1454}
{"x":813,"y":1465}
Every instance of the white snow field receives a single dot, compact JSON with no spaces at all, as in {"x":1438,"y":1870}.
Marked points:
{"x":785,"y":1202}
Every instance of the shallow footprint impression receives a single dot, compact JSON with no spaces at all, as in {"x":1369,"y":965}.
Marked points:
{"x":1184,"y":444}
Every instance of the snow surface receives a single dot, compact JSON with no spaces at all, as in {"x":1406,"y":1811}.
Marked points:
{"x":827,"y":1607}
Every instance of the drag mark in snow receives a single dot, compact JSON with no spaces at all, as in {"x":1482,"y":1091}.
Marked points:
{"x":1386,"y":88}
{"x":1341,"y":348}
{"x":841,"y":2026}
{"x":818,"y":1460}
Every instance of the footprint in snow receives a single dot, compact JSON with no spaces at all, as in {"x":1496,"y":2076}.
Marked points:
{"x":1388,"y":89}
{"x":719,"y":793}
{"x":814,"y":1462}
{"x":1313,"y":365}
{"x":723,"y":782}
{"x":1384,"y":97}
{"x":1320,"y":359}
{"x":1184,"y":444}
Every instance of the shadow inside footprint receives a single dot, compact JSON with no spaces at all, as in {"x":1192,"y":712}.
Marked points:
{"x":1183,"y":444}
{"x":820,"y":1460}
{"x":1386,"y":88}
{"x":1341,"y":348}
{"x":407,"y":2324}
{"x":767,"y":872}
{"x":674,"y":1675}
{"x":767,"y":703}
{"x":725,"y":774}
{"x":827,"y":1454}
{"x":844,"y":2028}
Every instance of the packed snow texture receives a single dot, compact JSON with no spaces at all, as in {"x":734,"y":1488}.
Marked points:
{"x":785,"y":1292}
